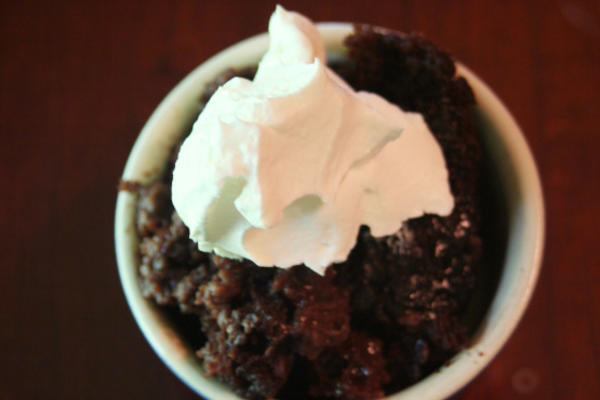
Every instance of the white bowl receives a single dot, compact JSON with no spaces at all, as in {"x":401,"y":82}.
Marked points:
{"x":504,"y":143}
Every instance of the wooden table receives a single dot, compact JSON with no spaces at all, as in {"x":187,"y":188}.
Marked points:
{"x":77,"y":82}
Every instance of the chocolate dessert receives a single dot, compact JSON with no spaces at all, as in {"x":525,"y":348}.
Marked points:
{"x":395,"y":311}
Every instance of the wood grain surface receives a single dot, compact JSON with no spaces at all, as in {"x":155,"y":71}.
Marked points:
{"x":79,"y":79}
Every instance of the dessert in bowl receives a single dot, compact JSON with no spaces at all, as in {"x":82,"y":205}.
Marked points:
{"x":403,"y":304}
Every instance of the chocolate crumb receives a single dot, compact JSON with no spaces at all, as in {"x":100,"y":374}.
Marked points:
{"x":394,"y":312}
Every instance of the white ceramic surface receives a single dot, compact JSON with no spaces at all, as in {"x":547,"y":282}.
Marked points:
{"x":505,"y":144}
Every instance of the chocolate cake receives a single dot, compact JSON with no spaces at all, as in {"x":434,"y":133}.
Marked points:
{"x":399,"y":308}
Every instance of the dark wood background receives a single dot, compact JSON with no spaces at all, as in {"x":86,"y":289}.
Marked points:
{"x":77,"y":82}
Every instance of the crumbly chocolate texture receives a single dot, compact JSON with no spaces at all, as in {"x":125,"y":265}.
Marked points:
{"x":382,"y":320}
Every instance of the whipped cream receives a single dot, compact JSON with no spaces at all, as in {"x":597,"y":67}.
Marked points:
{"x":284,"y":169}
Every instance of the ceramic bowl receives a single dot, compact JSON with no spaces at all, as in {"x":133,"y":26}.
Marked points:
{"x":505,"y":146}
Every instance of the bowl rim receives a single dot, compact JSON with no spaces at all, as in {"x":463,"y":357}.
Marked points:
{"x":523,"y":254}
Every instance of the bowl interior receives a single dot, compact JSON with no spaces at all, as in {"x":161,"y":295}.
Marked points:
{"x":504,"y":145}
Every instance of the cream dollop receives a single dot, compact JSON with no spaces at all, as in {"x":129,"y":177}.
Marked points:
{"x":284,"y":169}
